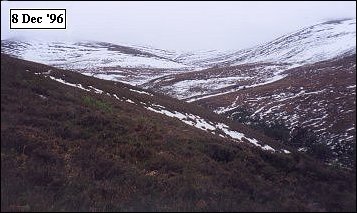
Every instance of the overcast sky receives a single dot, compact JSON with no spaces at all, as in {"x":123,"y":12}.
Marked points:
{"x":182,"y":26}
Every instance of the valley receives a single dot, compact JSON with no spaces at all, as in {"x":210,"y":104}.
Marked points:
{"x":297,"y":80}
{"x":71,"y":142}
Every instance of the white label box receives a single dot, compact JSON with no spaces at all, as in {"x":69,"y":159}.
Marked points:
{"x":38,"y":19}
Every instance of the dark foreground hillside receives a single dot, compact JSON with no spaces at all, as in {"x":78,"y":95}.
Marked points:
{"x":65,"y":149}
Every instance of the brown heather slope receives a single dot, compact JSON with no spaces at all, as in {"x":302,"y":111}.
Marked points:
{"x":66,"y":149}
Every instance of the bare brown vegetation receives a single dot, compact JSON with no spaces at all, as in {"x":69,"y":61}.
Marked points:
{"x":63,"y":149}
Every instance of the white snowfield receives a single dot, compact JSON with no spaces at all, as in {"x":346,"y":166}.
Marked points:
{"x":187,"y":118}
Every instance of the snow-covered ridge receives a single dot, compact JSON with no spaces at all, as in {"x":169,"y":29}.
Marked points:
{"x":312,"y":44}
{"x":86,"y":56}
{"x":98,"y":59}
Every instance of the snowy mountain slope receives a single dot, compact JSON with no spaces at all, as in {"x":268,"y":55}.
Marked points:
{"x":86,"y":55}
{"x":194,"y":59}
{"x":312,"y":44}
{"x":315,"y":43}
{"x":100,"y":59}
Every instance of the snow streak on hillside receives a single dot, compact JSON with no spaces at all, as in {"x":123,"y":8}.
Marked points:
{"x":219,"y":129}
